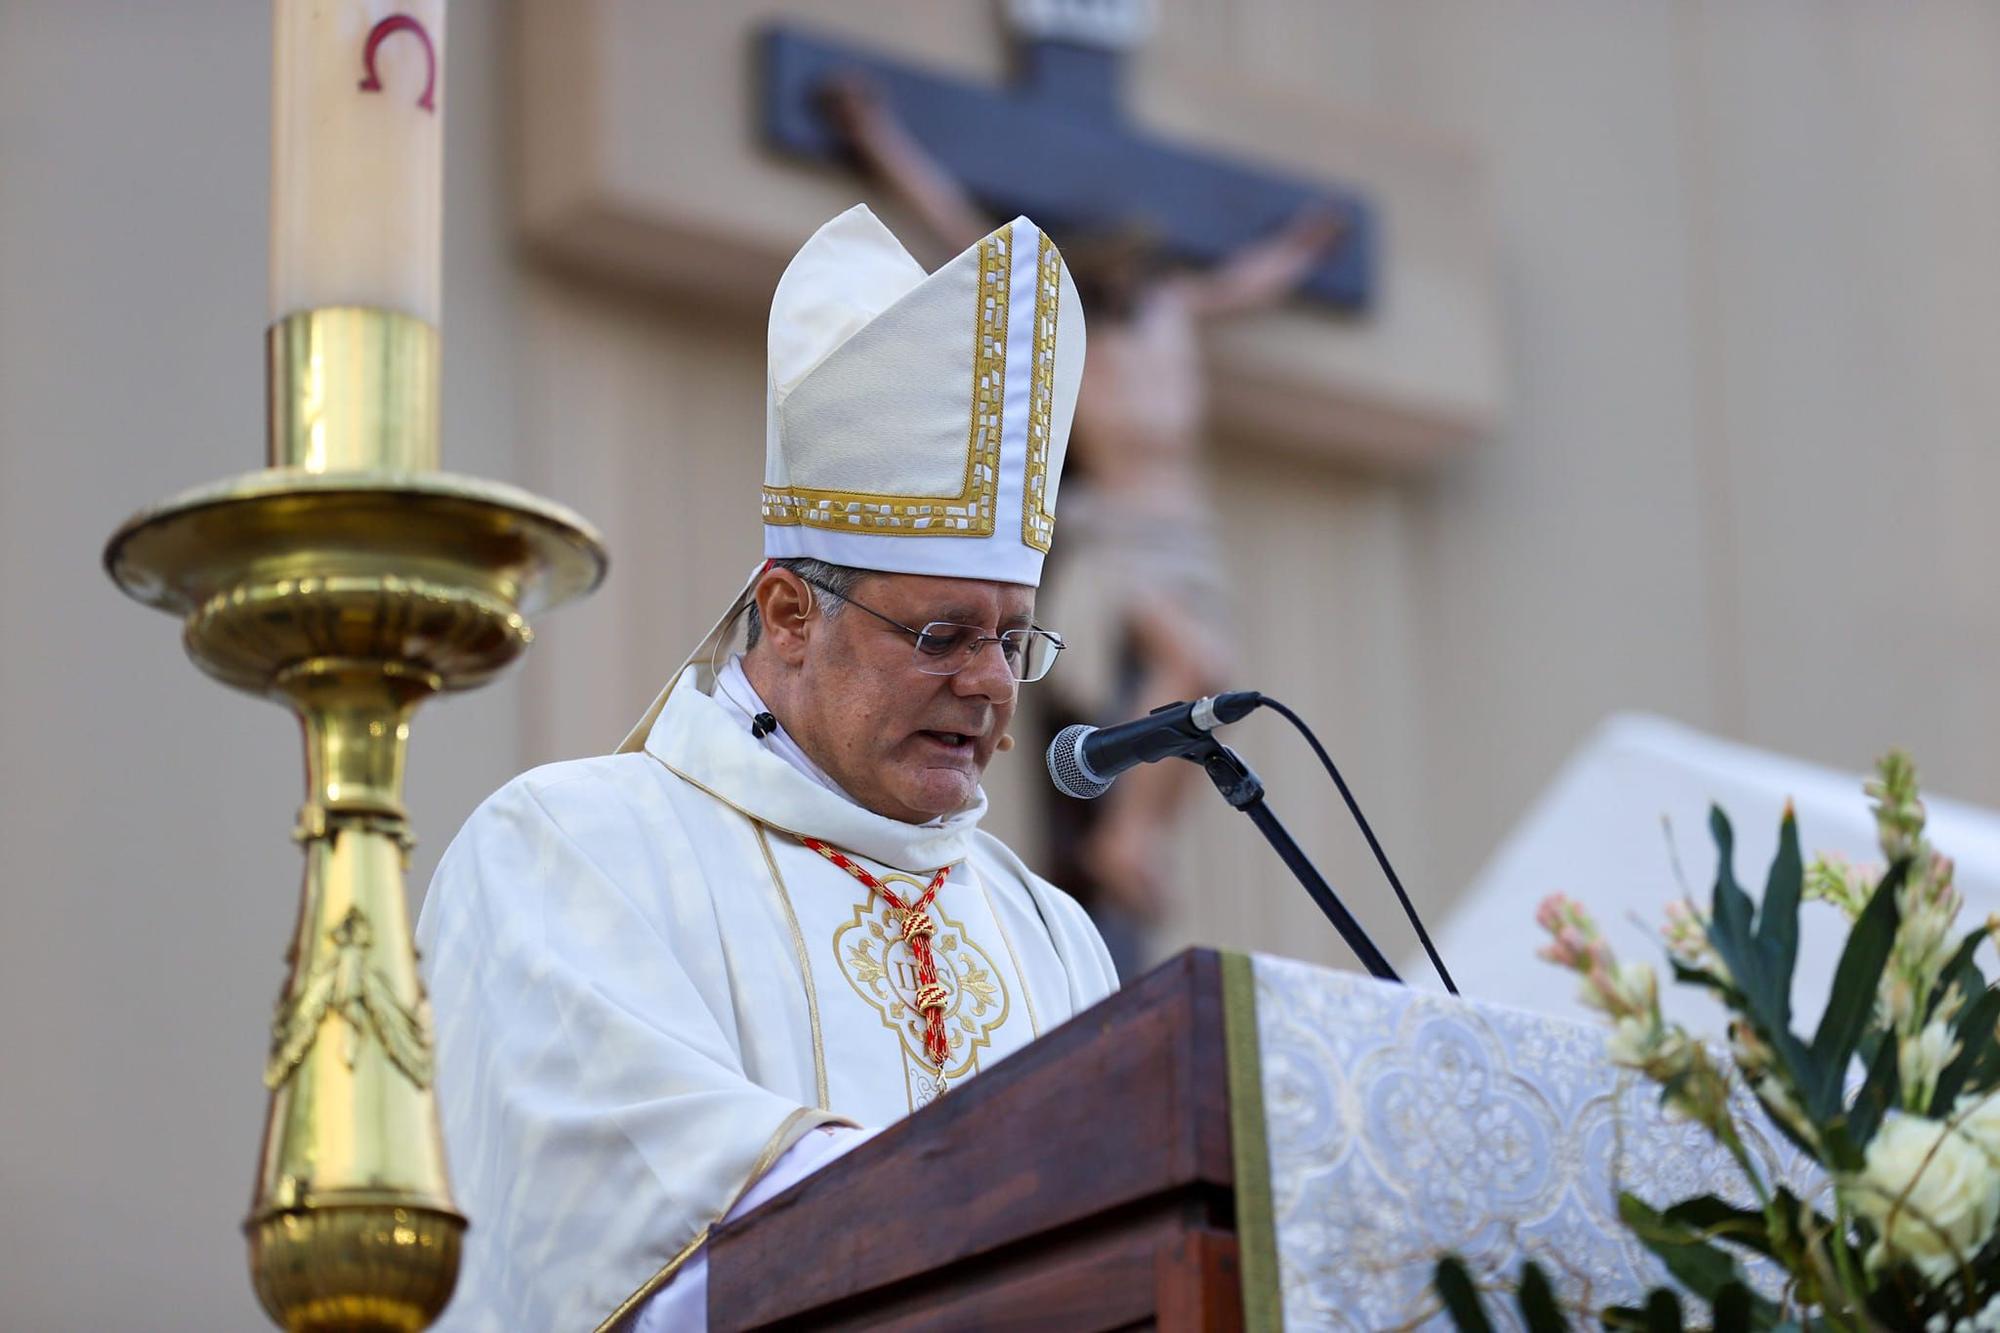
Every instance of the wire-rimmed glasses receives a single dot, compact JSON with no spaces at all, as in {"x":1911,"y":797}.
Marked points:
{"x":945,"y":649}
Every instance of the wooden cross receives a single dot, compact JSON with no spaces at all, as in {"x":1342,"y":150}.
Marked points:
{"x":1057,"y":146}
{"x":646,"y":159}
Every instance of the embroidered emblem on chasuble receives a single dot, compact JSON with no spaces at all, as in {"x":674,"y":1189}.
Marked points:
{"x":878,"y":964}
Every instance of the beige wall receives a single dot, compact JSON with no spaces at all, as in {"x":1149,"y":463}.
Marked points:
{"x":1750,"y":304}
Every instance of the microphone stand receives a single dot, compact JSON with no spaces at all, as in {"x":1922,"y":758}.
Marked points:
{"x":1244,"y":790}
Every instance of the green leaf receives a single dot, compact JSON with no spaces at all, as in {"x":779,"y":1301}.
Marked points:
{"x":1801,"y":1228}
{"x":1751,"y":956}
{"x":1842,"y":1154}
{"x":1660,"y":1314}
{"x":1986,"y":1266}
{"x":1870,"y":1044}
{"x":1985,"y":1070}
{"x":1961,"y":969}
{"x":1701,"y":976}
{"x":1721,"y":1220}
{"x":1729,"y":911}
{"x":1731,"y":1309}
{"x":1663,"y":1312}
{"x":1453,"y":1283}
{"x":1695,"y":1263}
{"x":1778,"y":920}
{"x":1760,"y":965}
{"x":1881,"y":1091}
{"x":1852,"y":999}
{"x":1539,"y":1310}
{"x":1784,"y":1126}
{"x":1896,"y":1296}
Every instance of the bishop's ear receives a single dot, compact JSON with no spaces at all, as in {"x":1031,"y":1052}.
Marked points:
{"x":785,"y":605}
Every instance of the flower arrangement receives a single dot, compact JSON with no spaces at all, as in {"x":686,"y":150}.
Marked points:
{"x":1905,"y":1238}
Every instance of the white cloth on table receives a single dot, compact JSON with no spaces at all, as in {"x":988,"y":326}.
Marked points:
{"x":1631,"y":802}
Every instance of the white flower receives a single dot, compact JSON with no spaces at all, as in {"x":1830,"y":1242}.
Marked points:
{"x":1631,"y":1043}
{"x":1780,"y":1104}
{"x":1920,"y":1059}
{"x":1834,"y":879}
{"x":1637,"y":988}
{"x":1685,"y":933}
{"x":1752,"y":1054}
{"x":1949,"y":1004}
{"x":1930,"y":909}
{"x":1977,"y":1119}
{"x":1932,"y":1195}
{"x":1896,"y":1001}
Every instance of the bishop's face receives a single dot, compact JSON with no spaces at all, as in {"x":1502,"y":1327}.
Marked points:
{"x":905,"y":744}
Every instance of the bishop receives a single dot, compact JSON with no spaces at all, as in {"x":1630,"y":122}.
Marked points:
{"x":672,"y":980}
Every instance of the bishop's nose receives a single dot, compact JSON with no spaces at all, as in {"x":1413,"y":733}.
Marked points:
{"x":988,"y":675}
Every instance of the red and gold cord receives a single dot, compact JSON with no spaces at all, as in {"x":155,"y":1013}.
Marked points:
{"x":918,"y":927}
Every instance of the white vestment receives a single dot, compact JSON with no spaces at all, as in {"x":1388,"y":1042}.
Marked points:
{"x":647,"y":988}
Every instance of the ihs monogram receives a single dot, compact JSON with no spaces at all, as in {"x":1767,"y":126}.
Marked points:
{"x":877,"y":962}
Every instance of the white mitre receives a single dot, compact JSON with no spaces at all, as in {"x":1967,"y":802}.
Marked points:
{"x":916,"y":423}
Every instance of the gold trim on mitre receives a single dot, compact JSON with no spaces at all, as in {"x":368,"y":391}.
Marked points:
{"x":1038,"y":516}
{"x":970,"y":513}
{"x":869,"y":379}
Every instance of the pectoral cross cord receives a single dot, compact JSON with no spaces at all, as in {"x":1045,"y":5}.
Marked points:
{"x":917,"y":929}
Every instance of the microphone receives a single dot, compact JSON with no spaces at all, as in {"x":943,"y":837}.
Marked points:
{"x":1083,"y":760}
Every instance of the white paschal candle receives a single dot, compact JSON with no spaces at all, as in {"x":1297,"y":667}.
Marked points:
{"x":357,"y":155}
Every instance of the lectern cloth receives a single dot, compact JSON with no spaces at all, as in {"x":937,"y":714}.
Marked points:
{"x":1400,"y":1124}
{"x":648,"y":989}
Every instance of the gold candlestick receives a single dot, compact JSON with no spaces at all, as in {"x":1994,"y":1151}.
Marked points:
{"x":352,"y":582}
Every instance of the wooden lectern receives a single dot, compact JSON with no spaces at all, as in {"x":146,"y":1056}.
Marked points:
{"x":1238,"y":1143}
{"x":1087,"y":1182}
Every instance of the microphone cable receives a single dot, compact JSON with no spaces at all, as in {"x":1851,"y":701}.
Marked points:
{"x":1374,"y":844}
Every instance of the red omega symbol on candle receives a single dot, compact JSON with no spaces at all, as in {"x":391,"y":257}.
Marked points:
{"x":376,"y":35}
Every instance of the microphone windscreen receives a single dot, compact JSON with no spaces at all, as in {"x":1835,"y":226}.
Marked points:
{"x":1066,"y":765}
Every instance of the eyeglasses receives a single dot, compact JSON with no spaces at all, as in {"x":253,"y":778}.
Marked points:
{"x":945,"y":649}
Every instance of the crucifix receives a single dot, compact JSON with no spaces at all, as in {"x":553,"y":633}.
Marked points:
{"x":646,"y":167}
{"x":1056,"y":144}
{"x":1161,"y":242}
{"x":649,"y":159}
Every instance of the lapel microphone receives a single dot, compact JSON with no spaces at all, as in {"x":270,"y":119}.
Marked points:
{"x":763,"y":725}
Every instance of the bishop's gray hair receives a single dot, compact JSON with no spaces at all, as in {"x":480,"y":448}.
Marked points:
{"x":837,"y":579}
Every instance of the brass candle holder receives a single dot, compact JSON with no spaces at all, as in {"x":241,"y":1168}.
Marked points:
{"x":351,"y":580}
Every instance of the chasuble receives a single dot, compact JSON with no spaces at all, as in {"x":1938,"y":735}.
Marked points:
{"x":649,"y":985}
